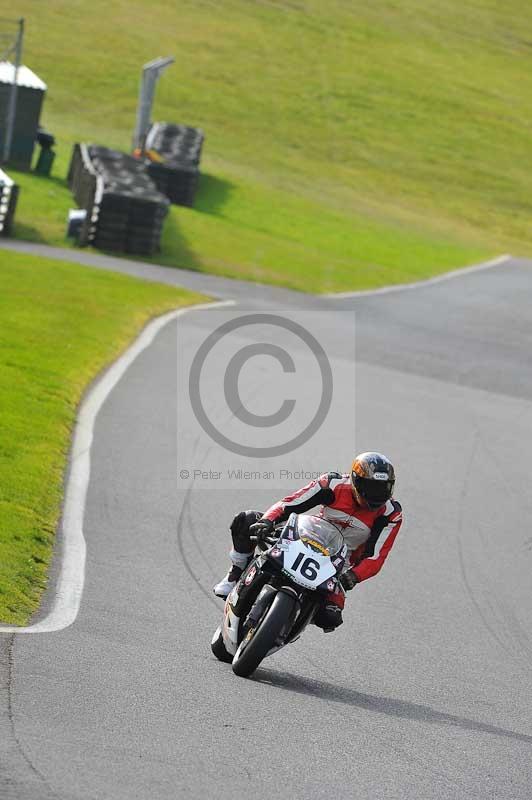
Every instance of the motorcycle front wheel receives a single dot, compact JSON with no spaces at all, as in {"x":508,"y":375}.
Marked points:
{"x":260,"y":640}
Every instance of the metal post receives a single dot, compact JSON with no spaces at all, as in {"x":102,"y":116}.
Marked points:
{"x":147,"y":87}
{"x":150,"y":74}
{"x":12,"y":107}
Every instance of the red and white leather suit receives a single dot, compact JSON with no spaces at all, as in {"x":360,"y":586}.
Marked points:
{"x":369,"y":534}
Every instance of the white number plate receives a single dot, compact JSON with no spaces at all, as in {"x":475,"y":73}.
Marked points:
{"x":306,"y":566}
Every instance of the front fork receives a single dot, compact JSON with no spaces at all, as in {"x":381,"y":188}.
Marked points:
{"x":262,"y":605}
{"x":253,"y":594}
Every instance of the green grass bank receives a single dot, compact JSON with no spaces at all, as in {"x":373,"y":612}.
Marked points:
{"x":61,"y":324}
{"x":348,"y":145}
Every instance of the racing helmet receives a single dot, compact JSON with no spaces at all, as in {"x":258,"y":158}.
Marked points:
{"x":372,"y":479}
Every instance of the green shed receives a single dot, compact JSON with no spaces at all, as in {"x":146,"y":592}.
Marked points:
{"x":30,"y":96}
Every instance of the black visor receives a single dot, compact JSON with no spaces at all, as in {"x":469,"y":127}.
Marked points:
{"x":373,"y":491}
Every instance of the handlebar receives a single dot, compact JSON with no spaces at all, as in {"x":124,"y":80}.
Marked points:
{"x":265,"y":541}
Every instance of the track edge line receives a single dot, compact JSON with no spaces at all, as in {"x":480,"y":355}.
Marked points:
{"x":401,"y":287}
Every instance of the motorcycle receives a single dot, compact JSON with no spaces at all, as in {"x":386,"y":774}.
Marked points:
{"x":279,"y":592}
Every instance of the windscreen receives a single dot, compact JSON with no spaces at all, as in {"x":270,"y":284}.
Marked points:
{"x":319,"y":530}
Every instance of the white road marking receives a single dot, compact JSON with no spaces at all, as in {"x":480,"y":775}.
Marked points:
{"x":401,"y":287}
{"x":69,"y":588}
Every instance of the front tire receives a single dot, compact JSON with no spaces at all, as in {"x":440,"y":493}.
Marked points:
{"x":218,"y":647}
{"x":258,"y":642}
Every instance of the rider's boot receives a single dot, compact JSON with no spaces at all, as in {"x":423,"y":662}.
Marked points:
{"x":329,"y":615}
{"x":239,"y":562}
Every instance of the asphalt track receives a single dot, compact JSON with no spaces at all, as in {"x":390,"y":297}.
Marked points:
{"x":425,"y":691}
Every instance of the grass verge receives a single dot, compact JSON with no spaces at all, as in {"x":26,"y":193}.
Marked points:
{"x":346,"y":147}
{"x":61,"y":324}
{"x":268,"y":235}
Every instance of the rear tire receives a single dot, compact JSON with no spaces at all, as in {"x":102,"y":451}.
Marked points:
{"x":254,"y":648}
{"x":218,"y":647}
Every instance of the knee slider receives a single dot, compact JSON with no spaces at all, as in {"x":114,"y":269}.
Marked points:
{"x":242,"y":521}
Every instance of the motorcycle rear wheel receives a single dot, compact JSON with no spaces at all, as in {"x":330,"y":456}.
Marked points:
{"x":257,"y":644}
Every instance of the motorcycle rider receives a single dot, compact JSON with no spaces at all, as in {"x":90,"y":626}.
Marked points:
{"x":359,"y":503}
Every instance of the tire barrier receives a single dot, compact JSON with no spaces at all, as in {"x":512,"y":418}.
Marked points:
{"x":176,"y":144}
{"x":175,"y":152}
{"x":124,"y":210}
{"x":85,"y":184}
{"x":8,"y":203}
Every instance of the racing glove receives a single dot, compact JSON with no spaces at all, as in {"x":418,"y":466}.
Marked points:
{"x":348,"y":580}
{"x":261,"y":528}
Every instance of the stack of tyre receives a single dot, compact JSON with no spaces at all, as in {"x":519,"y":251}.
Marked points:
{"x":125,"y":211}
{"x":175,"y":151}
{"x":131,"y":210}
{"x":8,"y":202}
{"x":85,"y":184}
